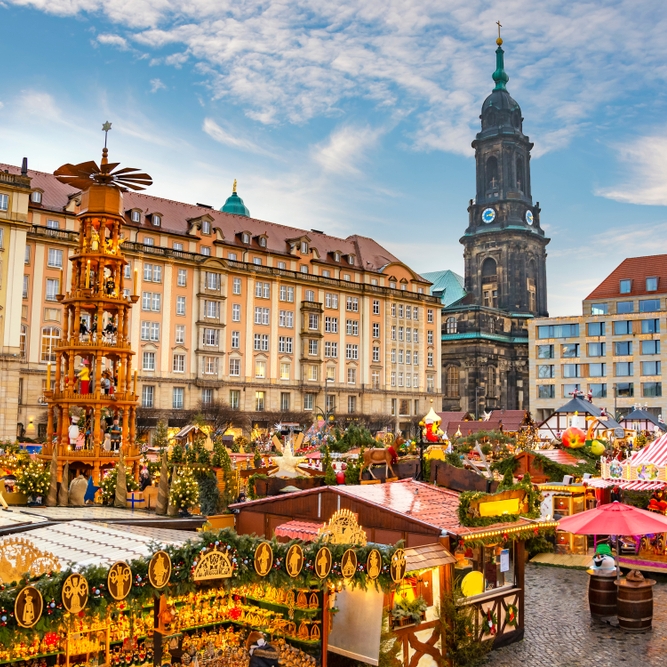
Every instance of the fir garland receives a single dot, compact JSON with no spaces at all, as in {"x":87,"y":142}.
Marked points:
{"x":184,"y":558}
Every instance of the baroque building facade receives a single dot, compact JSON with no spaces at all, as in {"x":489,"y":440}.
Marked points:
{"x":485,"y":332}
{"x":261,"y":317}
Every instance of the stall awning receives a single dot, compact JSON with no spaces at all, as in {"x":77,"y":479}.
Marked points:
{"x":430,"y":555}
{"x":298,"y":530}
{"x":627,"y":485}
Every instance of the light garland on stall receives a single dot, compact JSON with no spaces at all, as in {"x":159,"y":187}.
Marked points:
{"x":509,"y":531}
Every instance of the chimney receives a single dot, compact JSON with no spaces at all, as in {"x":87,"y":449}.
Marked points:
{"x":24,"y":167}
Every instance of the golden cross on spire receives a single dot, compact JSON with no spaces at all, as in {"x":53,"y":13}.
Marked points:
{"x":234,"y":186}
{"x":105,"y":128}
{"x":499,"y":41}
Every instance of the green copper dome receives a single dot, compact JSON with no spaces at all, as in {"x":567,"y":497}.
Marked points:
{"x":235,"y":205}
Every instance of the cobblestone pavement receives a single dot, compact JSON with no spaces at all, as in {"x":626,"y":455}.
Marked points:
{"x":561,"y":633}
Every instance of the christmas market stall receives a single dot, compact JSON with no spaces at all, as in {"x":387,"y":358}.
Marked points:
{"x":485,"y":533}
{"x":575,"y":414}
{"x":141,"y":597}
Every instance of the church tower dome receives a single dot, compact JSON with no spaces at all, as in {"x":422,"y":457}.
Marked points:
{"x":235,"y":205}
{"x":505,"y":256}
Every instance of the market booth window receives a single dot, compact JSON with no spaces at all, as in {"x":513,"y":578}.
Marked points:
{"x":484,"y":568}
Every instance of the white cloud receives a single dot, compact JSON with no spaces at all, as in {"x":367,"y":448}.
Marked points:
{"x":345,"y":149}
{"x":645,"y":172}
{"x":293,"y":61}
{"x":156,"y":84}
{"x":38,"y":104}
{"x":113,"y":40}
{"x":231,"y":139}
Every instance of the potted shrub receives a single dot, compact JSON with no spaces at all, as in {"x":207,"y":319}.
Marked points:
{"x":408,"y":612}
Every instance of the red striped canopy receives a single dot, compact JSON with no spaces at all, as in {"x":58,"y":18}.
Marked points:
{"x":629,"y":485}
{"x":655,"y":453}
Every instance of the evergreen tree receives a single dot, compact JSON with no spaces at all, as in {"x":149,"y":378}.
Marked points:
{"x":327,"y":466}
{"x":161,"y":437}
{"x":177,"y":453}
{"x":184,"y":491}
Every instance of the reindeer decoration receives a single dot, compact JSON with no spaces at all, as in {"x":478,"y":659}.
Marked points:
{"x":379,"y":455}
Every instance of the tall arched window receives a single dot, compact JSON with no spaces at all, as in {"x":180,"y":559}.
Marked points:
{"x":491,"y":173}
{"x":531,"y":286}
{"x":489,"y":283}
{"x":491,"y":381}
{"x":50,"y":338}
{"x":23,"y":342}
{"x":452,"y":376}
{"x":451,"y":325}
{"x":520,"y":175}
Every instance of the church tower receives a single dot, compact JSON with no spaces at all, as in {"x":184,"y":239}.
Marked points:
{"x":505,"y":247}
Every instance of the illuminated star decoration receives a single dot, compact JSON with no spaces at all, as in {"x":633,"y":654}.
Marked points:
{"x":105,"y":128}
{"x":288,"y":463}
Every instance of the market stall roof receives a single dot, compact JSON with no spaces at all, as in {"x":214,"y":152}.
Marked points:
{"x":559,"y":456}
{"x":627,"y":485}
{"x":186,"y":430}
{"x":429,"y":555}
{"x":14,"y":517}
{"x":583,"y":407}
{"x":655,"y":452}
{"x":640,"y":415}
{"x":298,"y":530}
{"x":512,"y":420}
{"x":90,"y":543}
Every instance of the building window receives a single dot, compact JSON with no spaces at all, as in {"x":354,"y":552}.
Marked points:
{"x":595,"y":329}
{"x":598,"y":390}
{"x":261,"y":315}
{"x":625,"y":389}
{"x":286,"y":294}
{"x":545,"y":371}
{"x":351,"y":404}
{"x":180,"y":334}
{"x":310,"y":295}
{"x":285,"y":344}
{"x":650,"y":347}
{"x":596,"y":349}
{"x":262,"y":241}
{"x":235,"y":367}
{"x":331,"y":300}
{"x":52,"y":288}
{"x":624,"y":307}
{"x":4,"y":202}
{"x":352,"y":376}
{"x":207,"y":396}
{"x":148,"y":359}
{"x":308,"y":401}
{"x":235,"y":399}
{"x":236,"y":340}
{"x":649,"y":305}
{"x":451,"y":325}
{"x":376,"y":355}
{"x":415,"y":358}
{"x":352,"y":304}
{"x":330,"y":349}
{"x":558,"y":331}
{"x":210,"y":365}
{"x":304,"y":268}
{"x":259,"y":401}
{"x":330,"y":403}
{"x":245,"y":238}
{"x":53,"y":224}
{"x":26,"y":283}
{"x":569,"y":351}
{"x":206,"y":250}
{"x":546,"y":391}
{"x":179,"y":363}
{"x":212,"y":280}
{"x":284,"y":401}
{"x":623,"y":348}
{"x":55,"y":258}
{"x":260,"y":368}
{"x":351,"y":351}
{"x":313,"y":347}
{"x":286,"y":319}
{"x":150,"y":331}
{"x":178,"y":395}
{"x":352,"y":327}
{"x":178,"y":247}
{"x":50,"y":337}
{"x":261,"y":343}
{"x":545,"y":351}
{"x":231,"y":256}
{"x":211,"y":337}
{"x":651,"y":389}
{"x":180,"y":305}
{"x":650,"y":326}
{"x":313,"y":321}
{"x":651,"y":284}
{"x":182,"y":277}
{"x":285,"y":371}
{"x":205,"y":226}
{"x":429,"y":359}
{"x":623,"y":368}
{"x":625,"y":286}
{"x":597,"y":370}
{"x":572,"y":370}
{"x":600,"y":309}
{"x":313,"y":373}
{"x":393,"y":378}
{"x":211,"y":308}
{"x":650,"y":368}
{"x":149,"y":240}
{"x":236,"y":312}
{"x":452,"y":376}
{"x":263,"y":290}
{"x":236,"y":286}
{"x":147,"y":396}
{"x":376,"y":307}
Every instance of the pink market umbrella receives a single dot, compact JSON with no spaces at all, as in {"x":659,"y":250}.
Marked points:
{"x":614,"y":519}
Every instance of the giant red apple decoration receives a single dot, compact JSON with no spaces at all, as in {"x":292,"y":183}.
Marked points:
{"x":573,"y":438}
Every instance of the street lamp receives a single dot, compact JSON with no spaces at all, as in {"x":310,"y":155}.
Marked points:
{"x":326,"y":397}
{"x":615,"y":401}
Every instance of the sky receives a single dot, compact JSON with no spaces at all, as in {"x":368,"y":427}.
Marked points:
{"x":357,"y":117}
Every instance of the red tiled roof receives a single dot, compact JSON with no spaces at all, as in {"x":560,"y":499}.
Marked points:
{"x":559,"y":456}
{"x":452,"y":416}
{"x":423,"y":502}
{"x":637,"y":269}
{"x":369,"y":255}
{"x":510,"y":419}
{"x":298,"y":530}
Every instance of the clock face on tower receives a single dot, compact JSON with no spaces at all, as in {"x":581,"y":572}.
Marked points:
{"x":529,"y":217}
{"x":488,"y":215}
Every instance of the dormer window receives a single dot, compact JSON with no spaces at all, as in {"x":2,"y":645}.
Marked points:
{"x":135,"y":216}
{"x":245,"y":237}
{"x":350,"y":260}
{"x":36,"y":197}
{"x":392,"y":285}
{"x":304,"y":248}
{"x":625,"y":286}
{"x":262,"y":241}
{"x":156,"y":220}
{"x":149,"y":241}
{"x":336,"y":257}
{"x":205,"y":226}
{"x":651,"y":284}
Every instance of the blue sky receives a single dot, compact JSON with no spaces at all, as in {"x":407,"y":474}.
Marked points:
{"x":357,"y":117}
